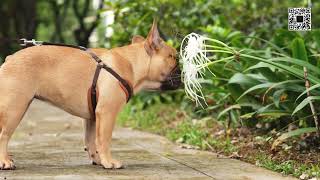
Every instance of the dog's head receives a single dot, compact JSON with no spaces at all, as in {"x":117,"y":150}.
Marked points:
{"x":163,"y":70}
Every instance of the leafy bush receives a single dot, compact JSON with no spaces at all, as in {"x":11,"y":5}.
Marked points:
{"x":265,"y":84}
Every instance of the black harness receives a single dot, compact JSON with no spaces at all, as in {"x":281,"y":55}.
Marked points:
{"x":92,"y":92}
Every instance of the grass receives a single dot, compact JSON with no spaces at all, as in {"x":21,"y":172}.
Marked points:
{"x":170,"y":121}
{"x":288,"y":167}
{"x":174,"y":124}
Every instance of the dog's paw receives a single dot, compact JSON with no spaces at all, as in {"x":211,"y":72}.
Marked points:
{"x":96,"y":162}
{"x":93,"y":155}
{"x":7,"y":164}
{"x":112,"y":164}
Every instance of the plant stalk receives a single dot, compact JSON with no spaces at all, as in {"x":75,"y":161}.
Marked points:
{"x":314,"y":114}
{"x":228,"y":122}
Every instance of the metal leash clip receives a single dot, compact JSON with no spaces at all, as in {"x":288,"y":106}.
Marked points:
{"x":25,"y":42}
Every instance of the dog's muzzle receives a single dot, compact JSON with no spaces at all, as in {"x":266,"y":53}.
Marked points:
{"x":173,"y":81}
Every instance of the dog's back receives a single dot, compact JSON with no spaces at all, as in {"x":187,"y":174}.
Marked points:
{"x":47,"y":72}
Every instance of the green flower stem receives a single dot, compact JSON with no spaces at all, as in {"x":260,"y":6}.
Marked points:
{"x":218,"y":51}
{"x":217,"y":41}
{"x":221,"y":43}
{"x":250,"y":51}
{"x":216,"y":47}
{"x":214,"y":62}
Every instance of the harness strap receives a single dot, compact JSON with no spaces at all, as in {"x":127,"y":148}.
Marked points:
{"x":93,"y":93}
{"x":123,"y":83}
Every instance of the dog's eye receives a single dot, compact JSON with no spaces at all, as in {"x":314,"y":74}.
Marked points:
{"x":171,"y":56}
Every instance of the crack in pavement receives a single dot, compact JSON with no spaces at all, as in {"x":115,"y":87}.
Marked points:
{"x":172,"y":159}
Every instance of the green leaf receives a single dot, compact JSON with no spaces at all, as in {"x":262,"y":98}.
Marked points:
{"x":264,"y":109}
{"x":251,"y":105}
{"x":293,"y":133}
{"x":305,"y":102}
{"x":243,"y":79}
{"x":259,"y":86}
{"x":234,"y":34}
{"x":298,"y":49}
{"x":266,"y":70}
{"x":277,"y":97}
{"x":267,"y":111}
{"x":290,"y":85}
{"x":298,"y":62}
{"x":270,"y":75}
{"x":268,"y":42}
{"x":282,"y":37}
{"x":236,"y":106}
{"x":273,"y":113}
{"x":316,"y":36}
{"x":307,"y":90}
{"x":291,"y":70}
{"x":259,"y":65}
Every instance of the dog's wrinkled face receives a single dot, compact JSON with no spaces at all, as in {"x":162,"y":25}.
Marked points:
{"x":163,"y":72}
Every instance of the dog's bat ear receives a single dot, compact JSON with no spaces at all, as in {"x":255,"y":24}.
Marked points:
{"x":154,"y":41}
{"x":137,"y":39}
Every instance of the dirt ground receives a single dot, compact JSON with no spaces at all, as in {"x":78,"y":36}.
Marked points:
{"x":48,"y":145}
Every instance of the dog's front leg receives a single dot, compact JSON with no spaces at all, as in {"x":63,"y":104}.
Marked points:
{"x":106,"y":113}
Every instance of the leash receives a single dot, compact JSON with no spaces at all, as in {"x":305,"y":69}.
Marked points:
{"x":92,"y":92}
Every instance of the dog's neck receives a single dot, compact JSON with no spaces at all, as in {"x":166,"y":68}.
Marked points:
{"x":139,"y":60}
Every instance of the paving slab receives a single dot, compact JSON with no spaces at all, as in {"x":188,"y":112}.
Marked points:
{"x":48,"y":144}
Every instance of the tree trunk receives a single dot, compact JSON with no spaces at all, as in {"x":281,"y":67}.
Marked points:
{"x":19,"y":21}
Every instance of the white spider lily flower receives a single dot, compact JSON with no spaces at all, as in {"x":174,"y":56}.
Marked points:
{"x":192,"y":83}
{"x":194,"y":46}
{"x":193,"y":54}
{"x":193,"y":57}
{"x":193,"y":49}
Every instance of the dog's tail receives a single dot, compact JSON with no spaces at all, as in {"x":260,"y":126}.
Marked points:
{"x":5,"y":59}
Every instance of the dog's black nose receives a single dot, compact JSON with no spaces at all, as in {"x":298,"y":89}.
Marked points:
{"x":173,"y":81}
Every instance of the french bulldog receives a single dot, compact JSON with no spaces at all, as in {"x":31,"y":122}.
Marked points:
{"x":62,"y":76}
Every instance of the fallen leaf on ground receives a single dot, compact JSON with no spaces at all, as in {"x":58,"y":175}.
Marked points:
{"x":235,"y":155}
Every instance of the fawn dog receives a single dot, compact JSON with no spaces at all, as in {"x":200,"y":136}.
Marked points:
{"x":62,"y":76}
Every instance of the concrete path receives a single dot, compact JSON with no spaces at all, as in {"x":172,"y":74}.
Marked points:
{"x":48,"y":145}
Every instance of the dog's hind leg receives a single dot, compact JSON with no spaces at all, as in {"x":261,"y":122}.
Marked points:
{"x":89,"y":140}
{"x":10,"y":119}
{"x":5,"y":161}
{"x":13,"y":105}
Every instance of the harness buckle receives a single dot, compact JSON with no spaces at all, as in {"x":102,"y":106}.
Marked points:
{"x":25,"y":42}
{"x":101,"y":64}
